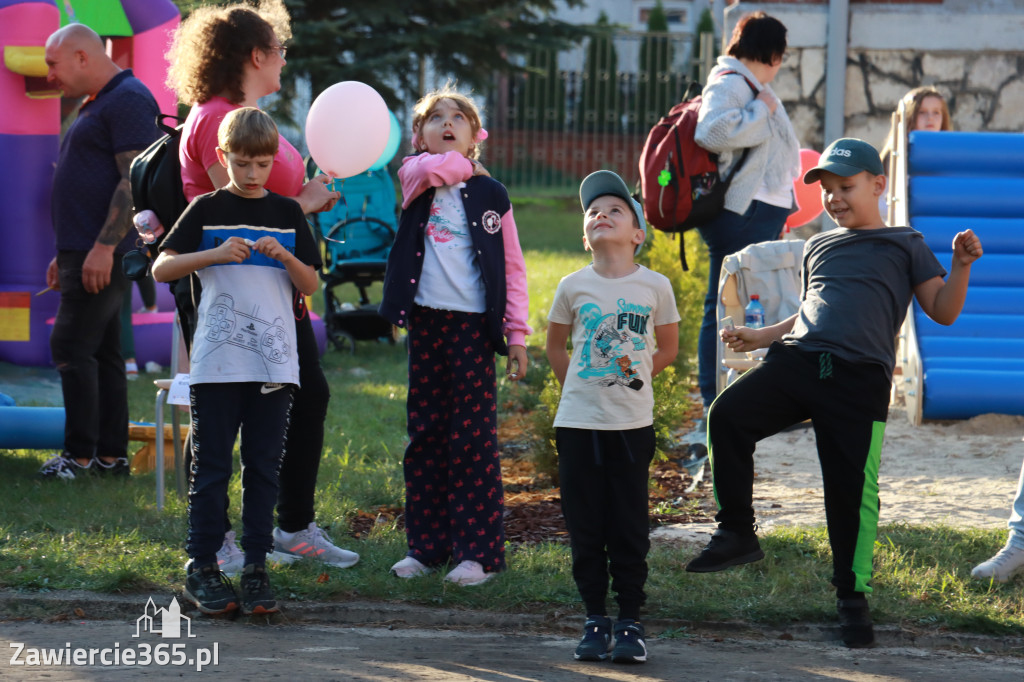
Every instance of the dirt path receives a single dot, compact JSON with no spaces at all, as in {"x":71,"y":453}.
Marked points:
{"x":399,"y":652}
{"x":961,"y":473}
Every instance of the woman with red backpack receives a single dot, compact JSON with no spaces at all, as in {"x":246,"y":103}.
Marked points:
{"x":760,"y":196}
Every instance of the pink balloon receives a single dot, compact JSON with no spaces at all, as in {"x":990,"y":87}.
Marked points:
{"x":808,"y":197}
{"x":347,"y":129}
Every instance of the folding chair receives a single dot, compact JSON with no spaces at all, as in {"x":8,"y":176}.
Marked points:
{"x":772,"y":271}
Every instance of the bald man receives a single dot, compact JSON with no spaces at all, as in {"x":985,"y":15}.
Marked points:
{"x":91,"y":211}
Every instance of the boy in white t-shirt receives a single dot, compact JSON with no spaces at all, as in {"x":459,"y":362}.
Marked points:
{"x":252,"y":250}
{"x":624,"y":326}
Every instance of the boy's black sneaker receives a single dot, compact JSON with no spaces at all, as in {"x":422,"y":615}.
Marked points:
{"x":597,"y":638}
{"x":855,"y":622}
{"x":630,"y":646}
{"x":256,"y":594}
{"x":209,"y":589}
{"x":727,"y":548}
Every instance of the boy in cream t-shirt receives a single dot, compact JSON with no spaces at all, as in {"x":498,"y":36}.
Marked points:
{"x":623,"y":322}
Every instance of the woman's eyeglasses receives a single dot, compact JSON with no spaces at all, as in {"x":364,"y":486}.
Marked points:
{"x":281,"y":49}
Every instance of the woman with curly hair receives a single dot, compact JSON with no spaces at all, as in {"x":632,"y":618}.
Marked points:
{"x":222,"y":59}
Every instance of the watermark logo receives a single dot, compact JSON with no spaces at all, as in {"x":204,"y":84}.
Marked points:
{"x":170,"y":619}
{"x":167,"y":622}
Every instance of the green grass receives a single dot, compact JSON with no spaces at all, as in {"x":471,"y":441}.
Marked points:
{"x":106,"y":535}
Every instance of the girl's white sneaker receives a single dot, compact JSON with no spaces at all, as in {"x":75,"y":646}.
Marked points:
{"x":468,"y":573}
{"x":409,"y":568}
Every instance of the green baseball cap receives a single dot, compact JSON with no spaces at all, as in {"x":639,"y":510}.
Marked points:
{"x":604,"y":182}
{"x":846,"y":156}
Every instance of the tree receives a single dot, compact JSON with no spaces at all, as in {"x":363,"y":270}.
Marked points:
{"x":540,"y":93}
{"x":657,"y":91}
{"x":387,"y":43}
{"x":706,"y":24}
{"x":600,"y":103}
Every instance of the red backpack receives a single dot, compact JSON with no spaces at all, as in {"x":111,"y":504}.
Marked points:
{"x":679,"y":180}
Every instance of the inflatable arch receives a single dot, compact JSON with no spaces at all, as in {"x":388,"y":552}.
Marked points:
{"x":30,"y":120}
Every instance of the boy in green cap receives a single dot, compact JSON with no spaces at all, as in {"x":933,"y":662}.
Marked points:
{"x":832,"y":363}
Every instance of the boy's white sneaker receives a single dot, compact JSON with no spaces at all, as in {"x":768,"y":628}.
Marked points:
{"x":410,"y":568}
{"x":468,"y":573}
{"x":312,"y":543}
{"x":1004,"y":564}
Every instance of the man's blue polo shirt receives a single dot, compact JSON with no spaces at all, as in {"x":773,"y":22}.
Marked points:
{"x":121,"y":118}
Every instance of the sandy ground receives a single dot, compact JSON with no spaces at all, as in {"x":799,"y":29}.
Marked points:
{"x":959,"y":473}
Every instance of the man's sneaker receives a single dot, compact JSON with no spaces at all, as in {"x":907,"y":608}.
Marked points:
{"x":597,"y":639}
{"x":256,"y":594}
{"x":410,"y":568}
{"x":119,"y":467}
{"x":727,"y":548}
{"x":1004,"y":564}
{"x":629,"y":642}
{"x":313,"y":543}
{"x":468,"y":573}
{"x":209,"y":589}
{"x":855,"y":622}
{"x":64,"y":467}
{"x":230,"y":557}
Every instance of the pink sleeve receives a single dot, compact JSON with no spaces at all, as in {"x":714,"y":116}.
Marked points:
{"x":422,"y":171}
{"x":199,"y":147}
{"x":517,"y":302}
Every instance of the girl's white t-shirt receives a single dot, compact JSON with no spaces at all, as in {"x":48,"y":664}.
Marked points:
{"x":451,"y":278}
{"x":608,"y":385}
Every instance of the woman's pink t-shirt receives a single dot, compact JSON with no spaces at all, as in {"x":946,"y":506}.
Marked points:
{"x":198,"y":151}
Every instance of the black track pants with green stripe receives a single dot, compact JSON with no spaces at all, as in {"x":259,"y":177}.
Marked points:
{"x":848,"y":404}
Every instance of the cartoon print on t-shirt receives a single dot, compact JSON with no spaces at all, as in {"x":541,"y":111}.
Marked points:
{"x":441,"y":230}
{"x":604,"y":358}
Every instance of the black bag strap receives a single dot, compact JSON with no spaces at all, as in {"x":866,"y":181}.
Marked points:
{"x":171,"y":130}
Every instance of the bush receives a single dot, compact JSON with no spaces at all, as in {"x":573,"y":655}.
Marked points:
{"x":661,"y":254}
{"x":670,"y":404}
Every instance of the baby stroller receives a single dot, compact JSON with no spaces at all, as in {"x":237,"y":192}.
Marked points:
{"x":355,"y":238}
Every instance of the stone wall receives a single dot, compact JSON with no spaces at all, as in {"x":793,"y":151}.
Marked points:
{"x":984,"y":90}
{"x":969,"y":50}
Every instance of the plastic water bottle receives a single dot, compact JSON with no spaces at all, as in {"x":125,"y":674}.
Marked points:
{"x":754,"y":314}
{"x":148,"y":226}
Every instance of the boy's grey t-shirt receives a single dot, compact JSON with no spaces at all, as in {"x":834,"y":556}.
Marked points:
{"x":857,"y":285}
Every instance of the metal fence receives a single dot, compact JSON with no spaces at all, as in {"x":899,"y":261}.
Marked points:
{"x":586,"y":109}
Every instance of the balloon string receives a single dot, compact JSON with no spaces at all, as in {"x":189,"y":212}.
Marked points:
{"x":344,"y":203}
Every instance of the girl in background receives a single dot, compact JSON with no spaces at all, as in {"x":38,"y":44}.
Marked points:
{"x":456,"y":279}
{"x":925,"y":110}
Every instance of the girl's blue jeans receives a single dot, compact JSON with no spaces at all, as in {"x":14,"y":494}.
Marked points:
{"x":728,"y":233}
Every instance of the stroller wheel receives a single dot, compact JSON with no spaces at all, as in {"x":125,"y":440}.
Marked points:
{"x":343,"y":339}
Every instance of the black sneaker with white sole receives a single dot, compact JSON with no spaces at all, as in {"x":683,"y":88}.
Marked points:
{"x":630,"y":646}
{"x":727,"y":548}
{"x":597,"y":638}
{"x":209,"y":589}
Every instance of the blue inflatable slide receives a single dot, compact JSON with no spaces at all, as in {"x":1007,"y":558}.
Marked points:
{"x":953,"y":181}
